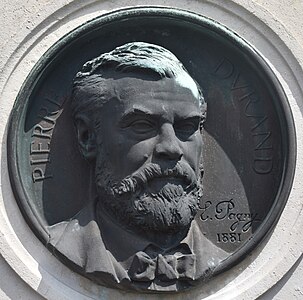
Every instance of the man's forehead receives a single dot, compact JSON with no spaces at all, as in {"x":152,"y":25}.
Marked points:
{"x":157,"y":97}
{"x":163,"y":112}
{"x":129,"y":88}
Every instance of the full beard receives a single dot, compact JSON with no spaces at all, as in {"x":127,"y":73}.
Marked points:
{"x":140,"y":203}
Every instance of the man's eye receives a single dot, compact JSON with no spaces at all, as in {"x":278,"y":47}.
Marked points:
{"x":141,"y":126}
{"x":186,"y":127}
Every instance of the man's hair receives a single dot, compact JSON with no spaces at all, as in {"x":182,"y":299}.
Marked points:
{"x":92,"y":89}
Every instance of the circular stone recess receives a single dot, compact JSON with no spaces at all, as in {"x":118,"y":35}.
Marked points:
{"x":236,"y":81}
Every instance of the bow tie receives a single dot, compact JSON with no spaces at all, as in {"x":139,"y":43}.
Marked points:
{"x":177,"y":263}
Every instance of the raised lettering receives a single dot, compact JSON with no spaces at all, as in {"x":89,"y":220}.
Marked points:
{"x":263,"y":119}
{"x":263,"y":165}
{"x":247,"y":96}
{"x":45,"y":112}
{"x":39,"y":149}
{"x":41,"y":132}
{"x":39,"y":161}
{"x":262,"y":142}
{"x":38,"y":175}
{"x":236,"y":83}
{"x":224,"y":69}
{"x":49,"y":116}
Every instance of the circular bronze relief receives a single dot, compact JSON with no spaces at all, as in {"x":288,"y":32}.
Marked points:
{"x":110,"y":148}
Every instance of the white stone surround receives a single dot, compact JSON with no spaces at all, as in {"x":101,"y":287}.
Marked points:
{"x":28,"y":28}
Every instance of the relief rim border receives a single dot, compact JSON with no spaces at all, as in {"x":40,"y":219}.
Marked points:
{"x":289,"y":146}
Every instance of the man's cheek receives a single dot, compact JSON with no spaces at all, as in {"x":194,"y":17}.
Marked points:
{"x":192,"y":155}
{"x":116,"y":146}
{"x":139,"y":154}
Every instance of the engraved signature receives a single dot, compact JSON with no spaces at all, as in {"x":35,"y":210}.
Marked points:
{"x":226,"y":210}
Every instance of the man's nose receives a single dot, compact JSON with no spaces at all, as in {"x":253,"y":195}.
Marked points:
{"x":168,"y":146}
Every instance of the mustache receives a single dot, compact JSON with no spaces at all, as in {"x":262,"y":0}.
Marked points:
{"x":139,"y":178}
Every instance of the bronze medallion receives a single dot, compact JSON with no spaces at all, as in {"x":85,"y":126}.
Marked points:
{"x":151,"y":149}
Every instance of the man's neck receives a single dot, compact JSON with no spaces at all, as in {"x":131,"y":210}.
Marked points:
{"x":164,"y":240}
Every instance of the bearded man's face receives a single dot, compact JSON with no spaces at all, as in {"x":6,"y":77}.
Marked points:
{"x":153,"y":198}
{"x":149,"y":154}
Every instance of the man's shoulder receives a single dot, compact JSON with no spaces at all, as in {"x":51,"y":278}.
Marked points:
{"x":71,"y":237}
{"x":64,"y":230}
{"x":208,"y":254}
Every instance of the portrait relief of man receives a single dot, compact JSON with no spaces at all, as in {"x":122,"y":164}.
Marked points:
{"x":138,"y":117}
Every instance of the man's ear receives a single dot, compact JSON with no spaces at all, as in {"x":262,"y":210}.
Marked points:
{"x":86,"y":137}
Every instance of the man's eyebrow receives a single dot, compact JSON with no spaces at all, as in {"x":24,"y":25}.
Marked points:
{"x":136,"y":112}
{"x":190,"y":116}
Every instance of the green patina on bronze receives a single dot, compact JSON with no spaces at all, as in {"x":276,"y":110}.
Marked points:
{"x":248,"y":142}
